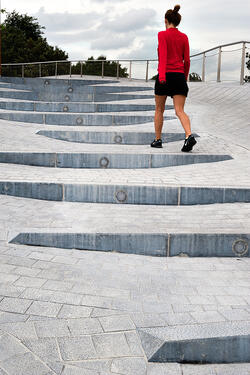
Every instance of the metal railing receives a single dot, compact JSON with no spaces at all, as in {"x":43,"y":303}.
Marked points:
{"x":54,"y":65}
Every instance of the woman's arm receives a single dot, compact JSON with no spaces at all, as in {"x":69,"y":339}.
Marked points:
{"x":162,"y":56}
{"x":186,"y":58}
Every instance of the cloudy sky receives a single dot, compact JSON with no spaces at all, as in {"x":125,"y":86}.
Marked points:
{"x":128,"y":28}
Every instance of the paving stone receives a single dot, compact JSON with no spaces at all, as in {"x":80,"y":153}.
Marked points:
{"x":10,"y":347}
{"x":72,"y":370}
{"x":58,"y":285}
{"x":235,"y":314}
{"x":10,"y":291}
{"x":147,"y":320}
{"x":208,"y":316}
{"x":8,"y":278}
{"x":98,"y":365}
{"x":52,"y":328}
{"x":77,"y":348}
{"x":21,"y":330}
{"x":32,"y":282}
{"x":84,"y":326}
{"x":17,"y":305}
{"x":45,"y":348}
{"x":164,"y":369}
{"x":26,"y":271}
{"x":129,"y":366}
{"x":177,"y":318}
{"x":7,"y":317}
{"x":70,"y":311}
{"x":44,"y":308}
{"x":25,"y":364}
{"x":117,"y":323}
{"x":134,"y":343}
{"x":111,"y":345}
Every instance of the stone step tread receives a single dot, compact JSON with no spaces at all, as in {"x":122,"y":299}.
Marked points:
{"x":195,"y":331}
{"x":216,"y":176}
{"x":90,"y":217}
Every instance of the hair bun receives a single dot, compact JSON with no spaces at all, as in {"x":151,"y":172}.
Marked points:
{"x":177,"y":8}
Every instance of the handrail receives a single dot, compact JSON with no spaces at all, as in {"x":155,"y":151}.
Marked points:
{"x":118,"y":61}
{"x":126,"y":60}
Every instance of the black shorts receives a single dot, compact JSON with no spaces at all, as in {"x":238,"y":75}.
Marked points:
{"x":176,"y":84}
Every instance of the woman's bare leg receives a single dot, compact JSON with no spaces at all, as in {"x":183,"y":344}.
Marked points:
{"x":179,"y":102}
{"x":160,"y":101}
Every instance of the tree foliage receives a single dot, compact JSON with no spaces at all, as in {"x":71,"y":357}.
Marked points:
{"x":95,"y":67}
{"x":23,"y":41}
{"x":247,"y":77}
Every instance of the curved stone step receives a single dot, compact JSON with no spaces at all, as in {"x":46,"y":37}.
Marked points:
{"x":33,"y":82}
{"x":153,"y":244}
{"x":108,"y":160}
{"x":17,"y":94}
{"x":72,"y":119}
{"x":224,"y":342}
{"x":124,"y":194}
{"x":74,"y":107}
{"x":61,"y":96}
{"x":126,"y":138}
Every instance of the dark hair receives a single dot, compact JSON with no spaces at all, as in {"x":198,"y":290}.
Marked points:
{"x":173,"y":16}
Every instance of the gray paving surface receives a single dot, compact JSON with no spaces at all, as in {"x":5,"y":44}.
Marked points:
{"x":72,"y":312}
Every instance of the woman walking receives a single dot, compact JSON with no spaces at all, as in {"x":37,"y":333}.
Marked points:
{"x":173,"y":70}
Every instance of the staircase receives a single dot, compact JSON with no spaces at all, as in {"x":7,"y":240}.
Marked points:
{"x":79,"y":148}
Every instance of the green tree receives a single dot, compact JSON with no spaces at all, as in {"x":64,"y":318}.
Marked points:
{"x":247,"y":77}
{"x":23,"y":41}
{"x":95,"y":67}
{"x":194,"y":77}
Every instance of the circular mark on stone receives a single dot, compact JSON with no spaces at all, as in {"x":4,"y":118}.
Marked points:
{"x":121,"y":196}
{"x":70,"y":89}
{"x":67,"y":98}
{"x":118,"y":139}
{"x":79,"y":120}
{"x":65,"y":108}
{"x":104,"y":162}
{"x":240,"y":247}
{"x":46,"y":82}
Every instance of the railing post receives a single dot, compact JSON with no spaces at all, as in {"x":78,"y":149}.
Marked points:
{"x":81,"y":68}
{"x":219,"y":65}
{"x":22,"y":71}
{"x":117,"y":70}
{"x":130,"y":70}
{"x":147,"y":72}
{"x":56,"y":70}
{"x":70,"y":68}
{"x":243,"y":63}
{"x":203,"y":67}
{"x":102,"y":69}
{"x":40,"y":70}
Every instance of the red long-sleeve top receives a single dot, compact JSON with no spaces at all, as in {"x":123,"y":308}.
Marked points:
{"x":173,"y":53}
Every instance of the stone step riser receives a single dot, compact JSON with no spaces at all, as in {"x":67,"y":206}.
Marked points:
{"x":83,"y":97}
{"x":55,"y":88}
{"x":123,"y":138}
{"x":75,"y":107}
{"x":164,"y":245}
{"x":97,"y":160}
{"x":124,"y":194}
{"x":71,"y":119}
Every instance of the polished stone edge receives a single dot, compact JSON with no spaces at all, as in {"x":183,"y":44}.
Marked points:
{"x":108,"y":160}
{"x":167,"y":244}
{"x":124,"y":194}
{"x":122,"y":138}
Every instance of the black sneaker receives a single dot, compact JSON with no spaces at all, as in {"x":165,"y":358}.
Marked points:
{"x":157,"y":143}
{"x":189,"y":144}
